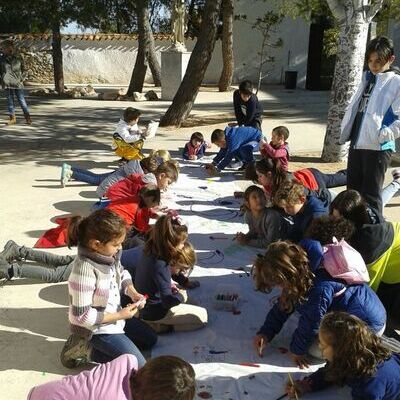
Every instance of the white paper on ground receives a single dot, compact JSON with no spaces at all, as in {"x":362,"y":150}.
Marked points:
{"x":211,"y":212}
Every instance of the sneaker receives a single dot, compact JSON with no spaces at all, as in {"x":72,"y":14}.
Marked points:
{"x":76,"y":351}
{"x":6,"y":271}
{"x":66,"y":174}
{"x":396,"y":174}
{"x":11,"y":252}
{"x":235,"y":164}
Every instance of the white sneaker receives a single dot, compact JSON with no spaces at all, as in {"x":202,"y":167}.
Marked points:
{"x":66,"y":174}
{"x":235,"y":164}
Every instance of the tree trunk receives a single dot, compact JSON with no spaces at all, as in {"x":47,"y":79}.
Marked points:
{"x":153,"y":60}
{"x":57,"y":59}
{"x":140,"y":68}
{"x":185,"y":96}
{"x":225,"y":80}
{"x":348,"y":69}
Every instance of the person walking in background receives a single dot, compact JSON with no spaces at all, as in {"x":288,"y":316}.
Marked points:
{"x":12,"y":77}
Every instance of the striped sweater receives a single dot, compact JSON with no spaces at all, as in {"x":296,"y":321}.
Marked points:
{"x":88,"y":287}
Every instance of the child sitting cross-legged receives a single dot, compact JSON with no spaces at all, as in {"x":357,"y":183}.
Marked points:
{"x":234,"y":142}
{"x":161,"y":378}
{"x":266,"y":225}
{"x":101,"y":329}
{"x":165,"y":307}
{"x":312,"y":292}
{"x":196,"y":147}
{"x":355,"y":357}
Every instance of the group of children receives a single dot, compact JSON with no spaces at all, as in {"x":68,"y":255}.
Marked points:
{"x":129,"y":280}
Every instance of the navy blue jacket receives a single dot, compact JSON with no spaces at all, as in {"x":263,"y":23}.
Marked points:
{"x":151,"y":277}
{"x":253,"y":115}
{"x":383,"y":385}
{"x":236,"y":137}
{"x":200,"y":151}
{"x":359,"y":300}
{"x":314,"y":207}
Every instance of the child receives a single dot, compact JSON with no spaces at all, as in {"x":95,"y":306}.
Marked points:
{"x":186,"y":258}
{"x":377,"y":241}
{"x":266,"y":225}
{"x":12,"y":76}
{"x":371,"y":123}
{"x":165,"y":174}
{"x":136,"y":212}
{"x":195,"y":148}
{"x":312,"y":292}
{"x":96,"y":281}
{"x":128,"y":139}
{"x":161,"y":378}
{"x":165,"y":308}
{"x":278,"y":147}
{"x":302,"y":206}
{"x":269,"y":173}
{"x":107,"y":179}
{"x":248,"y":110}
{"x":239,"y":142}
{"x":356,"y":357}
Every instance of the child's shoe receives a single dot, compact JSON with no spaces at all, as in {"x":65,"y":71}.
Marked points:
{"x":11,"y":252}
{"x":76,"y":351}
{"x":66,"y":174}
{"x":396,"y":174}
{"x":122,"y":161}
{"x":6,"y":270}
{"x":28,"y":119}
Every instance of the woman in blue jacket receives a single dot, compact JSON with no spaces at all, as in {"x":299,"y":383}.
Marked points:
{"x":312,"y":292}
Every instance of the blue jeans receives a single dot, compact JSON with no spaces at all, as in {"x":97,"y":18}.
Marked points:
{"x":83,"y":175}
{"x":19,"y":93}
{"x":245,"y":152}
{"x":137,"y":333}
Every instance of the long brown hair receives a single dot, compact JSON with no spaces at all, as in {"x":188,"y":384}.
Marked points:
{"x":278,"y":175}
{"x":164,"y":378}
{"x":357,"y":350}
{"x":164,"y":237}
{"x":102,"y":225}
{"x":284,"y":264}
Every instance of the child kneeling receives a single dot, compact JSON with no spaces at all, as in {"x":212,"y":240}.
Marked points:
{"x":161,"y":378}
{"x":165,"y":309}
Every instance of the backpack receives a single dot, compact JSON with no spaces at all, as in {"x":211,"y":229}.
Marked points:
{"x":342,"y":261}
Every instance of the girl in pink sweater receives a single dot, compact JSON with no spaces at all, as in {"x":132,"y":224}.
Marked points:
{"x":162,"y":378}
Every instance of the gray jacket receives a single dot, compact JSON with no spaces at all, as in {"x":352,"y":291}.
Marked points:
{"x":12,"y":71}
{"x":270,"y":227}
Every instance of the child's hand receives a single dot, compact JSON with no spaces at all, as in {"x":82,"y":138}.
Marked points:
{"x":300,"y":387}
{"x":300,"y":360}
{"x":238,"y":194}
{"x":193,"y":157}
{"x":241,"y":238}
{"x":174,"y":289}
{"x":260,"y":342}
{"x":128,"y":312}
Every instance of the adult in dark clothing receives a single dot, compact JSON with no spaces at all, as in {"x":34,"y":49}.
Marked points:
{"x":248,"y":110}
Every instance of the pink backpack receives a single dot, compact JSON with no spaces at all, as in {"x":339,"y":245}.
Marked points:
{"x":343,"y":262}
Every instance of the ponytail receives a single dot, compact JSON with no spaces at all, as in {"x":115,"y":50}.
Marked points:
{"x":102,"y":225}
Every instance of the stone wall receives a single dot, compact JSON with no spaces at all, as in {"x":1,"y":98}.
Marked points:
{"x":39,"y":66}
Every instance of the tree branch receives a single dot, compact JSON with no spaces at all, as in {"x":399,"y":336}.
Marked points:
{"x":375,"y":7}
{"x":337,"y":10}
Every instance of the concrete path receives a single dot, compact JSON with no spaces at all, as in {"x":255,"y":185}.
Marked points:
{"x":33,"y":316}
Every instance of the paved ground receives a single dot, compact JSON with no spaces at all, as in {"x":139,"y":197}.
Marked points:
{"x":33,"y":316}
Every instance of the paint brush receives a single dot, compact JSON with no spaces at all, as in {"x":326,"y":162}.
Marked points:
{"x":261,"y":347}
{"x":282,"y":397}
{"x":294,"y":387}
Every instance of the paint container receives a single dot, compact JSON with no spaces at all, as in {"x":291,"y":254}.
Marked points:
{"x":226,"y":297}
